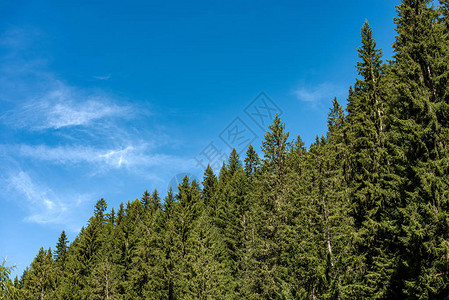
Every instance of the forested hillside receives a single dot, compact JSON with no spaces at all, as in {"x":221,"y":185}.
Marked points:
{"x":361,"y":213}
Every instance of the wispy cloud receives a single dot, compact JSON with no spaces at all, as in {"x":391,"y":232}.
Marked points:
{"x":63,"y":107}
{"x":43,"y":204}
{"x":37,"y":98}
{"x":105,"y":77}
{"x":79,"y":133}
{"x":17,"y":39}
{"x":132,"y":156}
{"x":318,"y":93}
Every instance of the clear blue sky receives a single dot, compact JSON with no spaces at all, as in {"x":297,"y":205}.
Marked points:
{"x":109,"y":98}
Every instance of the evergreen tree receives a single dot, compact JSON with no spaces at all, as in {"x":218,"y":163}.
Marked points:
{"x":39,"y":279}
{"x":209,"y":190}
{"x":100,"y":208}
{"x":146,"y":200}
{"x":361,"y":213}
{"x":418,"y":138}
{"x":367,"y":173}
{"x":61,"y":250}
{"x":8,"y":290}
{"x":264,"y":273}
{"x":155,"y":201}
{"x":231,"y":213}
{"x":252,"y":161}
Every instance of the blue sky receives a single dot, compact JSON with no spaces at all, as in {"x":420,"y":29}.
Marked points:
{"x":109,"y":98}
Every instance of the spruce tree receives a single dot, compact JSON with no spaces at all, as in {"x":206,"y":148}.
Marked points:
{"x":366,"y":169}
{"x":61,"y":250}
{"x":39,"y":279}
{"x":263,"y":270}
{"x":418,"y":138}
{"x":8,"y":290}
{"x":209,"y":190}
{"x":146,"y":199}
{"x":231,"y":211}
{"x":252,"y":161}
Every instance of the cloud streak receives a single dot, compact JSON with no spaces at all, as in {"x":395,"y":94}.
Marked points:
{"x":132,"y":156}
{"x":106,"y":77}
{"x":316,"y":94}
{"x":43,"y":204}
{"x":63,"y":107}
{"x":53,"y":130}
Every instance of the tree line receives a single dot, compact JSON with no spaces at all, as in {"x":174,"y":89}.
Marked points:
{"x":363,"y":212}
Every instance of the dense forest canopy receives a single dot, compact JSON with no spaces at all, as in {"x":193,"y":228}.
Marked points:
{"x":362,"y":213}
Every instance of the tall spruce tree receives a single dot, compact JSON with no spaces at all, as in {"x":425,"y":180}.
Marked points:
{"x":145,"y":199}
{"x":418,"y":138}
{"x":61,"y":250}
{"x":252,"y":161}
{"x":39,"y":280}
{"x":264,"y":272}
{"x":367,"y":172}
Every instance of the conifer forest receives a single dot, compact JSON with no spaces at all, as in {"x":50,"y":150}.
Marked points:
{"x":361,"y":213}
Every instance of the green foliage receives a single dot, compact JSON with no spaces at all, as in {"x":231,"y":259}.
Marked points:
{"x":363,"y":213}
{"x":8,"y":290}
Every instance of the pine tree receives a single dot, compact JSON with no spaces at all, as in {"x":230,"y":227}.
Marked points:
{"x":168,"y":245}
{"x":366,"y":170}
{"x":61,"y":250}
{"x":418,"y":138}
{"x":296,"y":155}
{"x":148,"y":260}
{"x":61,"y":260}
{"x":324,"y":265}
{"x":209,"y":190}
{"x":100,"y":208}
{"x":39,"y":280}
{"x":211,"y":277}
{"x":155,"y":201}
{"x":252,"y":161}
{"x":179,"y":230}
{"x":230,"y":216}
{"x":8,"y":290}
{"x":275,"y":148}
{"x":146,"y":200}
{"x":263,"y":268}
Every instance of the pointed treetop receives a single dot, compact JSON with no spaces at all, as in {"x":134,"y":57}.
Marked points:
{"x":233,"y":162}
{"x":336,"y":116}
{"x":169,"y":202}
{"x":155,"y":200}
{"x":223,"y":173}
{"x":275,"y":145}
{"x":209,"y":184}
{"x":61,"y":247}
{"x":111,"y":217}
{"x":100,"y":208}
{"x":370,"y":66}
{"x":120,"y":214}
{"x":298,"y":147}
{"x":252,"y":161}
{"x":145,"y":200}
{"x":184,"y":195}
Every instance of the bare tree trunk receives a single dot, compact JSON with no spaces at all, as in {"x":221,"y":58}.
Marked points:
{"x":328,"y":239}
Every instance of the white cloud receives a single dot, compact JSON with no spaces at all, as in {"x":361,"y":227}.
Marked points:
{"x":84,"y":130}
{"x":316,"y":94}
{"x":42,"y":203}
{"x":16,"y":40}
{"x":132,"y":156}
{"x":63,"y":107}
{"x":37,"y":99}
{"x":105,"y":77}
